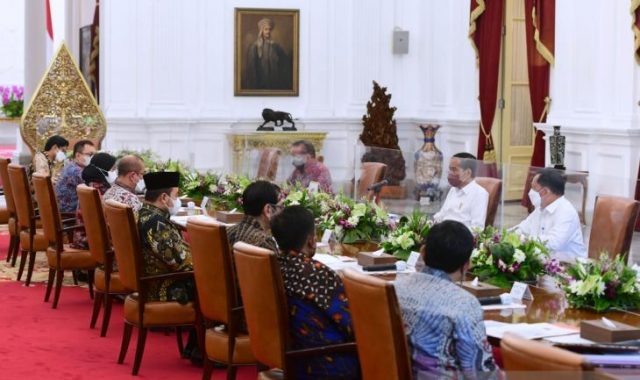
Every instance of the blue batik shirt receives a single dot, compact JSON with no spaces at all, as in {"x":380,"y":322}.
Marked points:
{"x":444,"y":326}
{"x":69,"y":179}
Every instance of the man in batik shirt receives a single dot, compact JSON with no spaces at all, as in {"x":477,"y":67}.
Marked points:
{"x":259,"y":201}
{"x":163,"y":248}
{"x":308,"y":170}
{"x":71,"y":175}
{"x":318,"y":307}
{"x":443,"y":322}
{"x":129,"y":181}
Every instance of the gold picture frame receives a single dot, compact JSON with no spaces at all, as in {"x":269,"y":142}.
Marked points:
{"x":266,"y":52}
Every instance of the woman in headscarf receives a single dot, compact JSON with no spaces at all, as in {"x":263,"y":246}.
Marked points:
{"x":99,"y":174}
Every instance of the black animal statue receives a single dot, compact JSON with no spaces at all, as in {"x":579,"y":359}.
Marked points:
{"x":270,"y":115}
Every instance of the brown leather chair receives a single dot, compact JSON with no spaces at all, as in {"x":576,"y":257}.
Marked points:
{"x":32,"y":239}
{"x":138,"y":310}
{"x":494,"y":188}
{"x":107,"y":283}
{"x":612,"y":226}
{"x":218,"y":297}
{"x":378,"y":326}
{"x":370,"y":173}
{"x":268,"y":166}
{"x":267,"y":313}
{"x":523,"y":357}
{"x":60,"y":256}
{"x":12,"y":219}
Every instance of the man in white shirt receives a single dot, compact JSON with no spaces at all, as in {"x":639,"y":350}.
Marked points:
{"x":466,"y":201}
{"x":554,"y":220}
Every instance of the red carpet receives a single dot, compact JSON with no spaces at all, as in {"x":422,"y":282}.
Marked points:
{"x":39,"y":342}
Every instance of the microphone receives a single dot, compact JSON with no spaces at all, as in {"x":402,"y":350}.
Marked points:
{"x":376,"y":186}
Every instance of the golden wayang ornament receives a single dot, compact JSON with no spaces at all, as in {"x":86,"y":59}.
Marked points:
{"x":62,"y":105}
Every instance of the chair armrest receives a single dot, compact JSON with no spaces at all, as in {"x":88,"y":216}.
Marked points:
{"x":72,"y":228}
{"x":341,"y":347}
{"x":168,"y":276}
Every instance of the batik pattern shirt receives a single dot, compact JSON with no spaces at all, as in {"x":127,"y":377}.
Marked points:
{"x":70,"y":178}
{"x":444,"y":326}
{"x":250,"y":231}
{"x":79,"y":235}
{"x":318,"y":315}
{"x":312,"y":171}
{"x":163,"y":251}
{"x":123,"y":195}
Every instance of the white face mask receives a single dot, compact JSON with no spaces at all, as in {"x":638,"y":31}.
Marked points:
{"x":86,"y":160}
{"x":299,"y":160}
{"x":111,"y":178}
{"x":60,"y":156}
{"x":140,"y":186}
{"x":176,"y":206}
{"x":535,"y":198}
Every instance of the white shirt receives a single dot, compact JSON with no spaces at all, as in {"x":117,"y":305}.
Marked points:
{"x":559,"y":226}
{"x":467,"y":205}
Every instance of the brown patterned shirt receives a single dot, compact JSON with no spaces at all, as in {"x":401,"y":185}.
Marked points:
{"x":249,"y":231}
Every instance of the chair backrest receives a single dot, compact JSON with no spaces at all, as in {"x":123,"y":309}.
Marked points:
{"x":6,"y":185}
{"x":520,"y":354}
{"x":612,"y":226}
{"x":212,"y":269}
{"x":21,"y":195}
{"x":48,"y":206}
{"x":494,"y":188}
{"x":378,"y":326}
{"x":265,"y":305}
{"x":126,"y":242}
{"x":268,"y":166}
{"x":95,"y":224}
{"x":370,"y":173}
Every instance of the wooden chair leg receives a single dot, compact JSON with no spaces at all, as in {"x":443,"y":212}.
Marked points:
{"x":56,"y":295}
{"x":208,"y":368}
{"x":74,"y":273}
{"x":126,"y":337}
{"x":179,"y":340}
{"x":142,"y":337}
{"x":106,"y":315}
{"x":23,"y":260}
{"x":52,"y":276}
{"x":97,"y":304}
{"x":32,"y":262}
{"x":15,"y":252}
{"x":12,"y":242}
{"x":231,"y":372}
{"x":90,"y":279}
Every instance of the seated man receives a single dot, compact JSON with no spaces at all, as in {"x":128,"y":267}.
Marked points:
{"x":318,"y":309}
{"x":130,"y":180}
{"x":466,"y":201}
{"x":55,"y":150}
{"x":307,"y":168}
{"x":554,"y":220}
{"x":71,"y":175}
{"x":443,"y":322}
{"x":163,"y":249}
{"x":259,"y":201}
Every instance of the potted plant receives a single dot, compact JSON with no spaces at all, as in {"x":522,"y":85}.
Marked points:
{"x":12,"y":101}
{"x":408,"y":235}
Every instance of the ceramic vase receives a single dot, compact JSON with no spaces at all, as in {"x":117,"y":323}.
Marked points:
{"x":428,"y":166}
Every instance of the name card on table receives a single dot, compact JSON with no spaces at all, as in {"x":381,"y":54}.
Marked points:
{"x":326,"y":236}
{"x":413,"y":259}
{"x":313,"y":186}
{"x":203,"y":205}
{"x":520,"y":291}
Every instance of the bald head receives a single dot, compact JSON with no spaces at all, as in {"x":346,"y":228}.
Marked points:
{"x":130,"y":164}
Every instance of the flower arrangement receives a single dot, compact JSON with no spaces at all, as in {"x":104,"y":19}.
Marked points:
{"x":355,"y":221}
{"x":226,"y":194}
{"x":408,"y":235}
{"x":12,"y":100}
{"x":316,"y":202}
{"x":198,"y":185}
{"x":500,"y":258}
{"x":602,"y":284}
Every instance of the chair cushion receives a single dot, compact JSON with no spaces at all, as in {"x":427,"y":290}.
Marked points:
{"x":272,"y":374}
{"x":115,"y":285}
{"x":217,"y":346}
{"x":71,"y":258}
{"x":40,"y":242}
{"x":159,"y":313}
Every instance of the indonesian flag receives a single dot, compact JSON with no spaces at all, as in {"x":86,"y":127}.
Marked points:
{"x":49,"y":29}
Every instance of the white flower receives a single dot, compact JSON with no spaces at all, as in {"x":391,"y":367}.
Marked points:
{"x":574,"y":286}
{"x":475,"y":253}
{"x":489,"y":260}
{"x":519,"y":256}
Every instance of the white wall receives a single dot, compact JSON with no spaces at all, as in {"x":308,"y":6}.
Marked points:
{"x":167,"y":74}
{"x":12,"y":42}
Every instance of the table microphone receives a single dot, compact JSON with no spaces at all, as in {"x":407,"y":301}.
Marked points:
{"x":376,"y":186}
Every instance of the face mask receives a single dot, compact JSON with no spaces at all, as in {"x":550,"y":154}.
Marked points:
{"x":60,"y":156}
{"x":454,"y":180}
{"x":535,"y":198}
{"x":111,"y":178}
{"x":176,"y":206}
{"x":299,"y":160}
{"x":140,"y":186}
{"x":86,"y":160}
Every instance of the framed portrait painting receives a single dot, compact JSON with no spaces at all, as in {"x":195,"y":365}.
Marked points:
{"x":266,"y":52}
